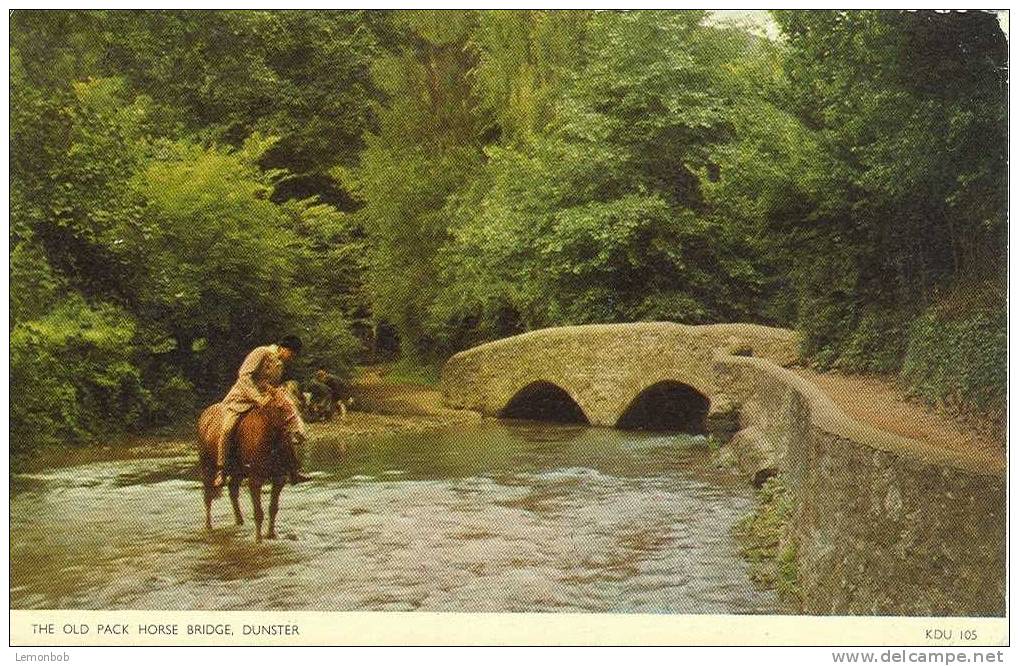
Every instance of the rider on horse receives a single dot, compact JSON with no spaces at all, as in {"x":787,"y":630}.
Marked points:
{"x":257,"y":385}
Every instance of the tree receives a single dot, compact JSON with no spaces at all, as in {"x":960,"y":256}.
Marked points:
{"x":526,"y":61}
{"x":302,"y":76}
{"x":144,"y":268}
{"x":602,"y":217}
{"x":426,"y":148}
{"x":909,"y":116}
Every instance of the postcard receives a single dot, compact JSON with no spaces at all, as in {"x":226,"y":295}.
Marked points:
{"x":508,"y":327}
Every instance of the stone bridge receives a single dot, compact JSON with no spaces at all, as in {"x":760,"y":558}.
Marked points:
{"x":653,"y":375}
{"x":880,"y":525}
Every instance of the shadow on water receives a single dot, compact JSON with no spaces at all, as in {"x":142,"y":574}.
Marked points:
{"x":544,"y":401}
{"x":541,"y":431}
{"x":233,"y":555}
{"x":164,"y":473}
{"x":667,"y":406}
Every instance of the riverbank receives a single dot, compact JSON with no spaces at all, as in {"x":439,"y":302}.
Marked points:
{"x":380,"y":408}
{"x":385,"y":404}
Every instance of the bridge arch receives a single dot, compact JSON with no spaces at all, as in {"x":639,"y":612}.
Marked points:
{"x":543,"y":400}
{"x":604,"y":366}
{"x":667,"y":405}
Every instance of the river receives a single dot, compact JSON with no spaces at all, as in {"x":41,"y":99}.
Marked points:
{"x":502,"y":516}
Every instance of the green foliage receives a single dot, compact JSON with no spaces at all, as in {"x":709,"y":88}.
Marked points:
{"x":427,"y":147}
{"x":73,"y":374}
{"x":215,"y":247}
{"x":904,"y":189}
{"x":37,"y":284}
{"x":712,"y":443}
{"x":143,"y":267}
{"x":224,"y":75}
{"x":764,"y":542}
{"x":787,"y":578}
{"x":172,"y":397}
{"x":330,"y":345}
{"x":601,"y":216}
{"x":194,"y":184}
{"x":875,"y":344}
{"x":227,"y":265}
{"x":959,"y":359}
{"x":526,"y":60}
{"x":69,"y":202}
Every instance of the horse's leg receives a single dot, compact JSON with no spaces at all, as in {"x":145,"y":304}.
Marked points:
{"x":235,"y":489}
{"x":255,"y":485}
{"x":210,"y":493}
{"x":274,"y":506}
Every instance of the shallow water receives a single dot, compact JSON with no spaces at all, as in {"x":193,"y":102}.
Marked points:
{"x":498,"y":517}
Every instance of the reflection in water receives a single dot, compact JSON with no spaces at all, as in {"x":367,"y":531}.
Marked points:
{"x":501,"y":517}
{"x":541,"y":431}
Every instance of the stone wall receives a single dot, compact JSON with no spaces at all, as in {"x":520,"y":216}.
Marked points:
{"x":883,"y":524}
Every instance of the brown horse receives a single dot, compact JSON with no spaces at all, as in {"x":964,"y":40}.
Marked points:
{"x":262,"y":452}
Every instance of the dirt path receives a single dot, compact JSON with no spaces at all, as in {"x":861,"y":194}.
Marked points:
{"x":397,"y":399}
{"x":381,"y":408}
{"x":879,"y":402}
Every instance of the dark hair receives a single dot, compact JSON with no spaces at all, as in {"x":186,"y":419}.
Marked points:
{"x":291,"y":342}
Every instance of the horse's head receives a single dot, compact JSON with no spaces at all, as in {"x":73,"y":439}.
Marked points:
{"x":282,"y":411}
{"x":292,"y":390}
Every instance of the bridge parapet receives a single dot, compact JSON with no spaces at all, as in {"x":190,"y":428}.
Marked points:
{"x":882,"y":524}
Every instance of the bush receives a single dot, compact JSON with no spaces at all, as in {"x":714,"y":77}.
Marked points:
{"x":764,"y":542}
{"x":827,"y":313}
{"x":173,"y":397}
{"x":959,"y":359}
{"x":73,"y":378}
{"x":825,"y":326}
{"x":330,"y":345}
{"x":876,"y":344}
{"x":43,"y":406}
